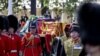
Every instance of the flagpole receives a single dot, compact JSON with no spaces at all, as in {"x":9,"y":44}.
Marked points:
{"x":10,"y":6}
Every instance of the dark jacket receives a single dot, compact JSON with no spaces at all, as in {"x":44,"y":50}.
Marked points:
{"x":83,"y":52}
{"x":58,"y":48}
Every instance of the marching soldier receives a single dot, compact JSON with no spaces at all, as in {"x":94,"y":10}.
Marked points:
{"x":31,"y":42}
{"x":2,"y":45}
{"x":5,"y":36}
{"x":15,"y":41}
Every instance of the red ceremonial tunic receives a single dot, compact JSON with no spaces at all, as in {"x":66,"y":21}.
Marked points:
{"x":31,"y":47}
{"x":15,"y":45}
{"x":47,"y":42}
{"x":6,"y":40}
{"x":2,"y":47}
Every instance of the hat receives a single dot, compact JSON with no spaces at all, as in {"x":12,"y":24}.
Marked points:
{"x":89,"y":22}
{"x":1,"y":23}
{"x":13,"y":22}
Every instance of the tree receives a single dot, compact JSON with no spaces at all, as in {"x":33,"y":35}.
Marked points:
{"x":16,"y":5}
{"x":70,"y":6}
{"x":4,"y":4}
{"x":57,"y":10}
{"x":33,"y":7}
{"x":44,"y":3}
{"x":44,"y":6}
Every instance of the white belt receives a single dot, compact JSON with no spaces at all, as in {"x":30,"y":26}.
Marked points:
{"x":13,"y":51}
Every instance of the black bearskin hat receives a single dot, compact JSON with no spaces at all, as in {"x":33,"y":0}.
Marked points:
{"x":6,"y":23}
{"x":1,"y":23}
{"x":13,"y":22}
{"x":89,"y":22}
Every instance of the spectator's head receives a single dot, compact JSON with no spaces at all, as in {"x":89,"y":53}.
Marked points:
{"x":32,"y":27}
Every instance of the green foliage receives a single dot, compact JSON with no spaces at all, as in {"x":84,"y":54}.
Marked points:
{"x":44,"y":9}
{"x":70,"y":6}
{"x":57,"y":11}
{"x":56,"y":2}
{"x":44,"y":2}
{"x":4,"y":4}
{"x":44,"y":5}
{"x":16,"y":4}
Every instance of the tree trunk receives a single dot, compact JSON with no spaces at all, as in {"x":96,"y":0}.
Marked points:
{"x":10,"y":6}
{"x":33,"y":7}
{"x":42,"y":4}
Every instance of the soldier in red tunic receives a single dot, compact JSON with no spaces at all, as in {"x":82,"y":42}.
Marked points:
{"x":15,"y":41}
{"x":2,"y":46}
{"x":4,"y":35}
{"x":31,"y":42}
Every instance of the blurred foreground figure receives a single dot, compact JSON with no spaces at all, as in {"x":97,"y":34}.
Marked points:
{"x":15,"y":41}
{"x":31,"y":42}
{"x":89,"y":22}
